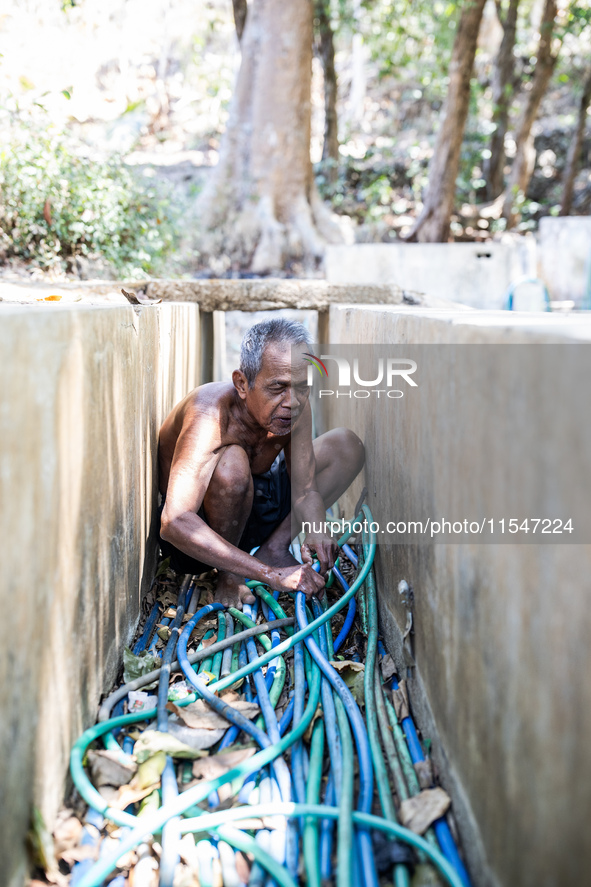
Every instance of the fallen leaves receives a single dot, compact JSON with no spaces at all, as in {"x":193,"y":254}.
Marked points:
{"x":137,"y":666}
{"x":109,"y":768}
{"x":353,"y":674}
{"x":400,"y":700}
{"x":419,"y":812}
{"x":208,"y":726}
{"x":152,"y":741}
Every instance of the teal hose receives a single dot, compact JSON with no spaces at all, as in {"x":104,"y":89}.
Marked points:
{"x":310,"y":838}
{"x":309,"y":813}
{"x":345,"y":829}
{"x":401,"y":874}
{"x":211,"y":821}
{"x":153,"y":823}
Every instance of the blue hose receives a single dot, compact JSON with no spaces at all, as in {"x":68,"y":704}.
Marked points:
{"x":171,"y":834}
{"x":352,"y":609}
{"x":330,"y":716}
{"x":440,"y":826}
{"x":361,"y":742}
{"x":140,"y":644}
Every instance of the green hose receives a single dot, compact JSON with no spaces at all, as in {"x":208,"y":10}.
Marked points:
{"x":345,"y":821}
{"x":401,"y":875}
{"x":362,"y":600}
{"x":240,"y":772}
{"x":400,"y":784}
{"x":216,"y":665}
{"x":212,"y":821}
{"x":298,"y":636}
{"x":281,"y":670}
{"x":310,"y":836}
{"x":345,"y":836}
{"x":273,"y":605}
{"x":311,"y":811}
{"x":206,"y":664}
{"x":371,"y":717}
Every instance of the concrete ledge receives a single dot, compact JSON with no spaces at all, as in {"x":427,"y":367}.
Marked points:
{"x":83,"y":393}
{"x":500,"y":655}
{"x":225,"y":295}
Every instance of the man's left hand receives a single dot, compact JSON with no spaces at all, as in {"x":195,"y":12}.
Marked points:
{"x":325,"y":549}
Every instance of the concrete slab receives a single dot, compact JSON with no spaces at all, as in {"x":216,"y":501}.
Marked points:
{"x":564,"y":258}
{"x":474,"y":274}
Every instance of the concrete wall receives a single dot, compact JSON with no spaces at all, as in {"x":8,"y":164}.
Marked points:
{"x":502,"y":633}
{"x":475,"y":274}
{"x":82,"y":395}
{"x":564,"y":257}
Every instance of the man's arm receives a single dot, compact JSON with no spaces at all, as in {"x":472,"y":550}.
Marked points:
{"x":194,"y":462}
{"x":307,"y":501}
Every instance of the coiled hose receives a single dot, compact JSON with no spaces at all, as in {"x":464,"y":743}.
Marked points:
{"x":341,"y":725}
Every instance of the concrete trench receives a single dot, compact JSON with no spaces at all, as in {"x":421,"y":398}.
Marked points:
{"x":499,"y":653}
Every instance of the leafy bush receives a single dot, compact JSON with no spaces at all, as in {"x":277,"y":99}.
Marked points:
{"x":57,"y":202}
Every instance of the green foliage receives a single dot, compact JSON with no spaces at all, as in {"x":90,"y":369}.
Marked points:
{"x":57,"y":202}
{"x":412,"y":40}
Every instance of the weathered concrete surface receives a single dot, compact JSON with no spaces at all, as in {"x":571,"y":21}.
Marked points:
{"x":475,"y":274}
{"x":224,"y":295}
{"x":83,"y":392}
{"x":502,"y":632}
{"x":564,"y":257}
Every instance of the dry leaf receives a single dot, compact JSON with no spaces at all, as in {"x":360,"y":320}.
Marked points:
{"x":242,"y":867}
{"x":139,"y":298}
{"x":424,"y":771}
{"x":152,"y":741}
{"x":78,"y":854}
{"x":419,"y":812}
{"x":400,"y":700}
{"x":107,"y":768}
{"x":200,"y":716}
{"x":128,"y":795}
{"x":216,"y":765}
{"x":317,"y":714}
{"x":150,"y":771}
{"x":353,"y":674}
{"x":388,"y":667}
{"x":66,"y":834}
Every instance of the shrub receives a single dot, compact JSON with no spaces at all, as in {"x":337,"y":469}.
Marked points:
{"x":58,"y":202}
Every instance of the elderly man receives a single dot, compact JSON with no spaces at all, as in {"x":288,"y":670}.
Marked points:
{"x":234,"y":456}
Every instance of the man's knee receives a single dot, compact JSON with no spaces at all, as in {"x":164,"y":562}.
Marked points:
{"x":340,"y":447}
{"x":232,"y":475}
{"x":350,"y":448}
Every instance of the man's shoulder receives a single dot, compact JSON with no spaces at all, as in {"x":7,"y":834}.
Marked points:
{"x":211,"y":399}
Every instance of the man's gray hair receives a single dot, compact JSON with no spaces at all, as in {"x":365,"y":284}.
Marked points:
{"x":263,"y":334}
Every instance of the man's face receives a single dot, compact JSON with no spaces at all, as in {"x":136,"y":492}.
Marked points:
{"x":280,"y":390}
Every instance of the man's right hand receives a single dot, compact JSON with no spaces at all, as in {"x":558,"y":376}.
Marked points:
{"x":300,"y":578}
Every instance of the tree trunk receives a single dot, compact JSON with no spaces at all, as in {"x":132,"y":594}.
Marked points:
{"x":525,"y":156}
{"x":261,"y":207}
{"x":433,"y":224}
{"x":502,"y":92}
{"x":574,"y":151}
{"x":240,"y":9}
{"x":330,"y":148}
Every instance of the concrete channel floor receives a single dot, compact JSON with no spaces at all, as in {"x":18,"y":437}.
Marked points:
{"x":128,"y":772}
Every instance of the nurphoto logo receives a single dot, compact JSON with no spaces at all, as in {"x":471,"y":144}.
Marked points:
{"x":389,"y":371}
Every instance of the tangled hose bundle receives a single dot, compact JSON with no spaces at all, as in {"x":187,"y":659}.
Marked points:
{"x":312,"y":821}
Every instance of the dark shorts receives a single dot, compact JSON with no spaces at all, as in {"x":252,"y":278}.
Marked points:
{"x":271,"y":504}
